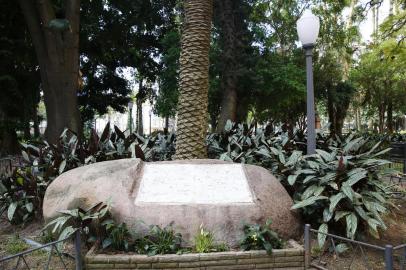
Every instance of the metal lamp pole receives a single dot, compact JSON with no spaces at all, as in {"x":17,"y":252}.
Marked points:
{"x":308,"y":29}
{"x":311,"y":120}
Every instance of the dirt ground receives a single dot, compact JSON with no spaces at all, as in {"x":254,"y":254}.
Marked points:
{"x":372,"y":259}
{"x":11,"y":242}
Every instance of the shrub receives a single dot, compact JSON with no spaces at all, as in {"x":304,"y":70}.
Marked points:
{"x":159,"y":241}
{"x":257,"y":237}
{"x":280,"y":152}
{"x":87,"y":221}
{"x":117,"y":235}
{"x":341,"y":188}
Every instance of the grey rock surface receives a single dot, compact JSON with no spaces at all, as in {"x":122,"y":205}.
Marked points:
{"x":122,"y":181}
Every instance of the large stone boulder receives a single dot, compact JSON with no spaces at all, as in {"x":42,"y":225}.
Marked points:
{"x":220,"y":195}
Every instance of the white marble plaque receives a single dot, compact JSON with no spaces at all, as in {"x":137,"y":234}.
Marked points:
{"x":194,"y":184}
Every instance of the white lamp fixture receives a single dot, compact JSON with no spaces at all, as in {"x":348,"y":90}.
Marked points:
{"x":130,"y":105}
{"x":308,"y":28}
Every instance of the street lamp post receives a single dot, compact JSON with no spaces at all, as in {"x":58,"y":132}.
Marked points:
{"x":308,"y":29}
{"x":150,"y":121}
{"x":130,"y":110}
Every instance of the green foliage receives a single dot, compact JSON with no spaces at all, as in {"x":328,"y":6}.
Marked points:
{"x":159,"y":241}
{"x":21,"y":194}
{"x":204,"y":241}
{"x":341,"y":189}
{"x":87,"y":221}
{"x":117,"y":235}
{"x":350,"y":167}
{"x":15,"y":244}
{"x":260,"y":237}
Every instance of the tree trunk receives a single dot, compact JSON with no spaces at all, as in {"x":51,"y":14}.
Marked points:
{"x":57,"y":51}
{"x":389,"y":120}
{"x":331,"y":113}
{"x":381,"y":112}
{"x":194,"y":80}
{"x":140,"y":126}
{"x":8,"y":137}
{"x":139,"y":101}
{"x":8,"y":142}
{"x":228,"y":31}
{"x":166,"y":128}
{"x":36,"y":121}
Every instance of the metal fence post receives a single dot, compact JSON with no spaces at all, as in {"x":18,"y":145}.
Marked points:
{"x":389,"y":257}
{"x":307,"y":245}
{"x":78,"y":251}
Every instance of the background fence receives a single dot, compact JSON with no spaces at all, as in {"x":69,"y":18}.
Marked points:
{"x":342,"y":253}
{"x":18,"y":261}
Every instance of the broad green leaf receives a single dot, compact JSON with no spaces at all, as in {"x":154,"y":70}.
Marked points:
{"x":352,"y":145}
{"x":335,"y":199}
{"x":29,"y":206}
{"x":228,"y":126}
{"x":381,"y":152}
{"x":328,"y":177}
{"x":294,"y":157}
{"x":292,"y":179}
{"x":319,"y":190}
{"x":282,"y":158}
{"x":361,"y":212}
{"x":341,"y":214}
{"x":3,"y":189}
{"x":347,"y":190}
{"x":341,"y":248}
{"x":352,"y":224}
{"x":375,"y":195}
{"x":313,"y":164}
{"x":308,"y":178}
{"x":333,"y":185}
{"x":373,"y":227}
{"x":11,"y":210}
{"x":321,"y":235}
{"x":62,"y":166}
{"x":326,"y":156}
{"x":308,"y":201}
{"x":26,"y":156}
{"x":309,"y":191}
{"x":106,"y":243}
{"x":264,"y":152}
{"x":225,"y":157}
{"x":20,"y":181}
{"x":327,"y":215}
{"x":355,"y":176}
{"x":275,"y":151}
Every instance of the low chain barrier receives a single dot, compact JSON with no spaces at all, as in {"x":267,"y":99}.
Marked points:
{"x":335,"y":246}
{"x":20,"y":258}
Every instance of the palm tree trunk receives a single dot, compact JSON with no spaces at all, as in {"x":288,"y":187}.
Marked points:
{"x":194,"y":80}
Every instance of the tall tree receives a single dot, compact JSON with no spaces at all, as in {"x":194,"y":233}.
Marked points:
{"x":19,"y":79}
{"x":194,"y":80}
{"x":55,"y":34}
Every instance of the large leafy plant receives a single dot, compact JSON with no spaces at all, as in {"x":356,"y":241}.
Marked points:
{"x":257,"y":237}
{"x":117,"y":235}
{"x":341,"y":188}
{"x":159,"y":241}
{"x":88,"y":221}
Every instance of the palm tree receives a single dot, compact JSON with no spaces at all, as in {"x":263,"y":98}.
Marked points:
{"x":194,"y":80}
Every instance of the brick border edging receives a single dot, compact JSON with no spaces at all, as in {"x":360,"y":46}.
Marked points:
{"x":292,"y":258}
